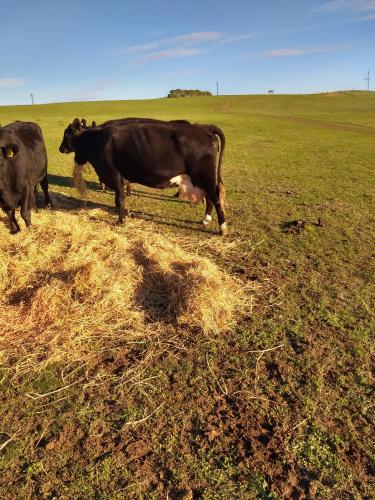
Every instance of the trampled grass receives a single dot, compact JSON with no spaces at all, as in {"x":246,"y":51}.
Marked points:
{"x":278,"y":406}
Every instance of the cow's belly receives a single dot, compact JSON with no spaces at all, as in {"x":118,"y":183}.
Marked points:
{"x":187,"y":190}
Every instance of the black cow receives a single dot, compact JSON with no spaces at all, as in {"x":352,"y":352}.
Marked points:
{"x":125,"y":121}
{"x":156,"y":154}
{"x":23,"y":165}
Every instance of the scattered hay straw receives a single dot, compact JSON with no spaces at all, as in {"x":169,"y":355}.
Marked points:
{"x":74,"y":287}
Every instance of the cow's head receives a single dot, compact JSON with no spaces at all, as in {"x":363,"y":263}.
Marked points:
{"x":70,"y":133}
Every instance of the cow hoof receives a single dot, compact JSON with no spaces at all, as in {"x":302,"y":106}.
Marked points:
{"x":223,"y":230}
{"x":207,"y":219}
{"x":120,"y":223}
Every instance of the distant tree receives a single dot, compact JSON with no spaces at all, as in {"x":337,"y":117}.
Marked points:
{"x":187,"y":93}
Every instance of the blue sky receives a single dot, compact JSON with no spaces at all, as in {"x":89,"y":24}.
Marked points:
{"x":113,"y":49}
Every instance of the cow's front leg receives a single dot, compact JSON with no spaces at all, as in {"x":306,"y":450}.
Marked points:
{"x":14,"y":227}
{"x":119,"y":201}
{"x":26,"y":204}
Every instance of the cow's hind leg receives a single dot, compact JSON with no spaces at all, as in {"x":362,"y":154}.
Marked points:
{"x":14,"y":227}
{"x":119,"y":202}
{"x":208,"y":217}
{"x":216,"y":197}
{"x":214,"y":190}
{"x":47,"y":199}
{"x":219,"y":205}
{"x":35,"y":194}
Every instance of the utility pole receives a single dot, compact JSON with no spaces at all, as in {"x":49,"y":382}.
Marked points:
{"x":367,"y":80}
{"x":217,"y":88}
{"x":32,"y":98}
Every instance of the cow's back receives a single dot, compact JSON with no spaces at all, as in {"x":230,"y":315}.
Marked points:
{"x":27,"y":134}
{"x":118,"y":122}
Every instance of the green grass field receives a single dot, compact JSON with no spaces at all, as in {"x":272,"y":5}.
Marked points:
{"x":284,"y":407}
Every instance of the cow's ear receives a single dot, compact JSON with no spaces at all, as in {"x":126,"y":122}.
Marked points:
{"x":10,"y":150}
{"x":76,"y":126}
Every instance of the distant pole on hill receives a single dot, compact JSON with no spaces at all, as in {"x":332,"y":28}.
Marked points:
{"x":217,"y":88}
{"x":367,"y":80}
{"x":32,"y":98}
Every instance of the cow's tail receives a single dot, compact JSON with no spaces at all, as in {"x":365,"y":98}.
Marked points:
{"x":78,"y":180}
{"x":221,"y":139}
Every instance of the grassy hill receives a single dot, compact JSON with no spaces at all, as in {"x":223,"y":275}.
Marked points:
{"x":279,"y":405}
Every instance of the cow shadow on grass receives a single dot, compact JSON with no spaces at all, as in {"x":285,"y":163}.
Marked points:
{"x":41,"y":279}
{"x":66,"y":203}
{"x":157,"y":196}
{"x":63,"y":181}
{"x":161,"y":292}
{"x":192,"y":225}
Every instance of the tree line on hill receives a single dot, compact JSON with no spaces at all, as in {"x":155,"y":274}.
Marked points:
{"x":187,"y":93}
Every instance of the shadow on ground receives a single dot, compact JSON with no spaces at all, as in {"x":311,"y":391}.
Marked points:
{"x":63,"y":181}
{"x":63,"y":202}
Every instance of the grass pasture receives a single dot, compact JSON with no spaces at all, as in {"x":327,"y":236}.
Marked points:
{"x":266,"y":390}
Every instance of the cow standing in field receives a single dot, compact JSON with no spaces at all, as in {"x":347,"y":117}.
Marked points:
{"x":156,"y":154}
{"x":23,"y":165}
{"x":118,"y":122}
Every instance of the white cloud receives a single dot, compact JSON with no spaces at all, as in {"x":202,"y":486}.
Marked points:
{"x":184,"y":40}
{"x":197,"y":38}
{"x":180,"y":46}
{"x":358,"y":5}
{"x":295,"y":52}
{"x":284,"y":53}
{"x":238,"y":38}
{"x":10,"y":82}
{"x":171,"y":54}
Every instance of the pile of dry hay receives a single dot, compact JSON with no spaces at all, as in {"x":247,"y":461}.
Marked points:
{"x":73,"y":286}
